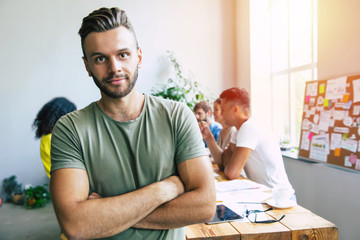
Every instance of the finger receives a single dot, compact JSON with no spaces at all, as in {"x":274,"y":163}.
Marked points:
{"x":93,"y":195}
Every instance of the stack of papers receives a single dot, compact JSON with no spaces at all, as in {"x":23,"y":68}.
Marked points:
{"x":236,"y":191}
{"x":236,"y":185}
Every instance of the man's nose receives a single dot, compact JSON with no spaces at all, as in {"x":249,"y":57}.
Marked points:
{"x":114,"y":65}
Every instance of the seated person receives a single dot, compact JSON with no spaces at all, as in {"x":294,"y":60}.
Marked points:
{"x":255,"y":150}
{"x":45,"y":122}
{"x":203,"y":113}
{"x":216,"y":147}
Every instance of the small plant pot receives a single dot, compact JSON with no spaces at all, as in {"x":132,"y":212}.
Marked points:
{"x":18,"y":198}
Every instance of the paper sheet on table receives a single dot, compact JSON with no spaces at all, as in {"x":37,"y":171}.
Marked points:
{"x":236,"y":185}
{"x":241,"y":191}
{"x":252,"y":195}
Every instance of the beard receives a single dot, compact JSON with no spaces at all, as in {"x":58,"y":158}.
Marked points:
{"x":205,"y":119}
{"x":117,"y":93}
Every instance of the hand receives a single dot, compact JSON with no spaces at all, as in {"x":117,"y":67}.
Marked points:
{"x":174,"y":186}
{"x":93,"y":195}
{"x":205,"y":130}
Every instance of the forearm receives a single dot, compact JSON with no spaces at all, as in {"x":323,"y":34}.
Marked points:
{"x":104,"y":217}
{"x":226,"y":158}
{"x":197,"y":206}
{"x":216,"y":151}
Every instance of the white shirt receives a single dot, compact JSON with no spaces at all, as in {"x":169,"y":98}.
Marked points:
{"x":265,"y":164}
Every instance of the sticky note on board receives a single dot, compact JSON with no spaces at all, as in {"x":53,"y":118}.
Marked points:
{"x":344,"y":136}
{"x":321,"y":88}
{"x":346,"y":98}
{"x":326,"y":102}
{"x":352,"y":159}
{"x":337,"y":152}
{"x":307,"y":98}
{"x":310,"y":135}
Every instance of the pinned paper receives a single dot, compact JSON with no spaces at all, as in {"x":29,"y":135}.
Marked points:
{"x":339,"y":114}
{"x":352,"y":159}
{"x":326,"y":102}
{"x":347,"y":105}
{"x":350,"y":145}
{"x":320,"y":100}
{"x":345,"y":98}
{"x":319,"y":148}
{"x":316,"y":118}
{"x":311,"y":89}
{"x":305,"y":141}
{"x":348,"y":121}
{"x":341,"y":129}
{"x":307,"y":98}
{"x":357,"y":165}
{"x":347,"y":162}
{"x":332,"y":122}
{"x":356,"y":110}
{"x":337,"y":152}
{"x":312,"y":101}
{"x":336,"y":88}
{"x":356,"y":90}
{"x":321,"y":88}
{"x":335,"y":141}
{"x":339,"y":105}
{"x":324,"y":120}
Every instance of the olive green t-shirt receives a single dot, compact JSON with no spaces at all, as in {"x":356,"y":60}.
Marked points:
{"x":120,"y":157}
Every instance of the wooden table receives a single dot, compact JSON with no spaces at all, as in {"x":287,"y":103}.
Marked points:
{"x":298,"y":224}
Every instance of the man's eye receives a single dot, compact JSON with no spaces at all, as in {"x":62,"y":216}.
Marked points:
{"x":100,"y":59}
{"x":124,"y":55}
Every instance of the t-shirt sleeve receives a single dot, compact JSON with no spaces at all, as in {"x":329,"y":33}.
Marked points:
{"x":65,"y":146}
{"x":247,"y":136}
{"x":189,"y":142}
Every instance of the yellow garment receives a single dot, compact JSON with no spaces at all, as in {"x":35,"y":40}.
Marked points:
{"x":45,"y":146}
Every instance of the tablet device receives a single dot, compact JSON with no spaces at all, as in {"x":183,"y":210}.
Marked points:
{"x":224,"y":214}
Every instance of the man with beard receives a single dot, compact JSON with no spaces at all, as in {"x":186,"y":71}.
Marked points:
{"x":203,"y":114}
{"x":127,"y":166}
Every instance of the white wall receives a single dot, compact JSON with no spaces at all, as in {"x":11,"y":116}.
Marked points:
{"x":41,"y":59}
{"x":329,"y":192}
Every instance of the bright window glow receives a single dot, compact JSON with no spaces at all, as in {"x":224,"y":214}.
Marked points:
{"x":293,"y":31}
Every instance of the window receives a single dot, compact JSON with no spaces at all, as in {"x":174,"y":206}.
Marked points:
{"x":293,"y":56}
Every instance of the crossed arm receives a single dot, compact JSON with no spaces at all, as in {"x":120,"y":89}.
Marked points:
{"x":171,"y":203}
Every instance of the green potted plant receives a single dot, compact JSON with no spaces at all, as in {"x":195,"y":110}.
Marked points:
{"x":13,"y":190}
{"x":36,"y":197}
{"x":180,"y":88}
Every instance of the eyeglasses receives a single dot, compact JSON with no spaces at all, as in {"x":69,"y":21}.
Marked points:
{"x":248,"y":214}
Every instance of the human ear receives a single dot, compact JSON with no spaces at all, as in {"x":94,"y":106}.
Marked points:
{"x":139,"y":53}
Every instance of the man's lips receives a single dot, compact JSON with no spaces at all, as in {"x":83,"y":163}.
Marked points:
{"x":117,"y":80}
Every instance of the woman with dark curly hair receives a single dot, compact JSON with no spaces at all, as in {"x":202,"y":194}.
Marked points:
{"x":45,"y":122}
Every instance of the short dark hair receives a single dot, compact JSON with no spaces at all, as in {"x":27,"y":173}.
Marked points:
{"x":218,"y":101}
{"x":102,"y":20}
{"x":237,"y":95}
{"x":204,"y":105}
{"x":49,"y":114}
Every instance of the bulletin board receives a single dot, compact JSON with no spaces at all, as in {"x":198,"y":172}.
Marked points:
{"x":330,"y":129}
